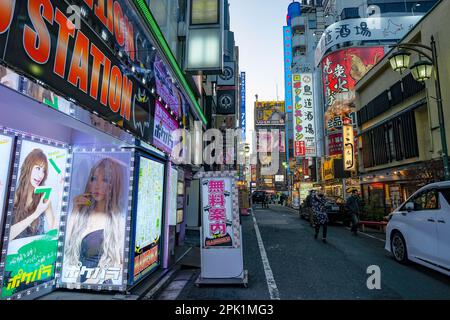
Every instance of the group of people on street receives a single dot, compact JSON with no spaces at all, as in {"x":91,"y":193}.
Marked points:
{"x":315,"y":202}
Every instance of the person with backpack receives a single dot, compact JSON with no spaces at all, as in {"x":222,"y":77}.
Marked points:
{"x":354,"y":205}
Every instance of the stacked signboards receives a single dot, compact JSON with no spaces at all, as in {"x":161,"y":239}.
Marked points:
{"x":73,"y":217}
{"x":81,"y":206}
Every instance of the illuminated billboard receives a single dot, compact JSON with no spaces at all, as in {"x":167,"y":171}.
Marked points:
{"x":269,"y":113}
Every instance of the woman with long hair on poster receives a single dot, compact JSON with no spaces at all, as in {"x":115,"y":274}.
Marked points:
{"x":29,"y":208}
{"x":95,"y":231}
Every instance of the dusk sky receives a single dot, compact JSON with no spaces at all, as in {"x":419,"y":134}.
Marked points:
{"x":258,"y":29}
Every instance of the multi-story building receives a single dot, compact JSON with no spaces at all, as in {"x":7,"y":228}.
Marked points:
{"x":401,"y":146}
{"x":358,"y":36}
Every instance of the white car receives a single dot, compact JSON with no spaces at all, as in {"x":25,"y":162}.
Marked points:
{"x":419,"y":230}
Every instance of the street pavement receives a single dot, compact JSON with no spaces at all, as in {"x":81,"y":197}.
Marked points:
{"x":304,"y":268}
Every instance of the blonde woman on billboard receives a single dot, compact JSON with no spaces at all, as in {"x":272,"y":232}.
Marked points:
{"x":29,"y":208}
{"x":96,"y":225}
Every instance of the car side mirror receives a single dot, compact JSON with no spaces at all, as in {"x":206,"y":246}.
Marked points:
{"x":409,"y":206}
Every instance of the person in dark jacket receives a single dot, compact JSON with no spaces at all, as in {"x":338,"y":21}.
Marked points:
{"x":354,"y":205}
{"x":320,"y":216}
{"x":308,"y":206}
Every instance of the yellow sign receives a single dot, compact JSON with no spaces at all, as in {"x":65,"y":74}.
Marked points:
{"x":328,"y":169}
{"x":269,"y":113}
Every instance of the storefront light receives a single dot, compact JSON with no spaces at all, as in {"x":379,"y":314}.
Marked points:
{"x":422,"y":70}
{"x":400,"y":61}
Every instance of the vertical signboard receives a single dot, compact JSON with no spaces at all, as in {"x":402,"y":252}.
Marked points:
{"x":31,"y":234}
{"x":221,"y":248}
{"x":287,"y":41}
{"x":341,"y":70}
{"x":164,"y":125}
{"x":304,"y":117}
{"x":149,"y":210}
{"x":173,"y":192}
{"x":349,"y":148}
{"x":243,"y":97}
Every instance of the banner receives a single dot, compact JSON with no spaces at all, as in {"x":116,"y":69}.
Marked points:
{"x":349,"y":148}
{"x":149,"y":220}
{"x":30,"y":251}
{"x":101,"y":57}
{"x":228,"y":76}
{"x":95,"y":234}
{"x":365,"y":29}
{"x":304,"y":117}
{"x":220,"y":211}
{"x":287,"y":42}
{"x":164,"y":126}
{"x":269,"y":113}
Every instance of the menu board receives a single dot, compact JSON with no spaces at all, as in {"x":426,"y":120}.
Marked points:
{"x":148,"y":216}
{"x":6,"y":143}
{"x":32,"y":232}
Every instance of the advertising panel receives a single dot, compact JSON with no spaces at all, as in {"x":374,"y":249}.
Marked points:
{"x":164,"y":126}
{"x":349,"y":148}
{"x":269,"y":113}
{"x":304,"y":117}
{"x":30,"y":252}
{"x":328,"y":169}
{"x":287,"y":41}
{"x":173,"y":192}
{"x":149,"y":221}
{"x":219,"y":202}
{"x":96,"y":233}
{"x":6,"y":145}
{"x":103,"y":58}
{"x":341,"y":71}
{"x":335,"y":144}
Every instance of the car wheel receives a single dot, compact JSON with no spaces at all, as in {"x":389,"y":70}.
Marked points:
{"x":398,"y":247}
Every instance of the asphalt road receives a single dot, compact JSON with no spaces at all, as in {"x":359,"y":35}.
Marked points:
{"x":305,"y":268}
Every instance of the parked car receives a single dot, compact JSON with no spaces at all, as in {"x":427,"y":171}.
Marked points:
{"x":419,"y":230}
{"x":258,"y":196}
{"x":336,"y":210}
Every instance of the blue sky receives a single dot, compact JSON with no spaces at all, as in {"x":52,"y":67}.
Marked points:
{"x":258,"y":31}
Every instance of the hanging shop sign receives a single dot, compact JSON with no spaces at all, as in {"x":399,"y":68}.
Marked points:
{"x":270,"y":113}
{"x":287,"y":41}
{"x":349,"y":148}
{"x":149,"y":220}
{"x":164,"y":125}
{"x":228,"y":75}
{"x":335,"y":144}
{"x":304,"y":117}
{"x":31,"y":234}
{"x":226,"y":101}
{"x":94,"y":251}
{"x":366,"y":29}
{"x":220,"y":211}
{"x":101,"y":57}
{"x":328,"y":169}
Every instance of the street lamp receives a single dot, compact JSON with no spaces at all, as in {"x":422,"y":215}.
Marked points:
{"x":422,"y":71}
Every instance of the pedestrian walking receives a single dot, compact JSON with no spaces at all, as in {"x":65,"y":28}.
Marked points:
{"x":354,"y":205}
{"x":308,"y":206}
{"x":320,"y":216}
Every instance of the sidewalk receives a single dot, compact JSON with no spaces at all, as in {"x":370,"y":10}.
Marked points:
{"x":187,"y":256}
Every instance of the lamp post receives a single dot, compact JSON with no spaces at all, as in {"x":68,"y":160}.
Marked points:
{"x":421,"y":71}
